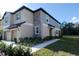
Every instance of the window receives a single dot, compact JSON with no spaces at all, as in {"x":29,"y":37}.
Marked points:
{"x":18,"y":16}
{"x":36,"y":29}
{"x":6,"y":19}
{"x":47,"y":18}
{"x":57,"y":32}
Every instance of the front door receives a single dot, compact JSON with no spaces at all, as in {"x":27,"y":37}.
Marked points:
{"x":5,"y":37}
{"x":50,"y":31}
{"x":12,"y":35}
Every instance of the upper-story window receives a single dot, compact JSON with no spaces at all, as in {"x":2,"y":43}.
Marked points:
{"x":6,"y":19}
{"x":47,"y":19}
{"x":18,"y":16}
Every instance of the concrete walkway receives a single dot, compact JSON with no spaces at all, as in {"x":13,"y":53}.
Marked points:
{"x":42,"y":45}
{"x":37,"y":47}
{"x":8,"y":42}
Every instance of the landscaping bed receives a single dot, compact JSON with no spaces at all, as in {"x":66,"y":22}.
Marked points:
{"x":20,"y":48}
{"x":33,"y":41}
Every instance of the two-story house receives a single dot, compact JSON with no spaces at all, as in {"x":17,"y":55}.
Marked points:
{"x":25,"y":22}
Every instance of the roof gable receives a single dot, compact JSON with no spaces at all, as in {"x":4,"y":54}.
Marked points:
{"x":24,"y":7}
{"x":47,"y":14}
{"x":5,"y":14}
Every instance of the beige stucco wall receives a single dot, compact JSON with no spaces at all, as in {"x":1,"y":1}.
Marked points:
{"x":37,"y":22}
{"x":25,"y":16}
{"x":8,"y":35}
{"x":19,"y":20}
{"x":37,"y":18}
{"x":26,"y":30}
{"x":11,"y":19}
{"x":8,"y":15}
{"x":44,"y":29}
{"x":44,"y":18}
{"x":1,"y":24}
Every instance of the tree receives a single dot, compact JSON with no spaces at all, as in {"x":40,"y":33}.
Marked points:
{"x":68,"y":29}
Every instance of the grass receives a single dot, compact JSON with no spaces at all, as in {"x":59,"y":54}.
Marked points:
{"x":72,"y":36}
{"x":67,"y":46}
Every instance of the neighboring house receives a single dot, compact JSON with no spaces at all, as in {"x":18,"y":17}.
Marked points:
{"x":25,"y":22}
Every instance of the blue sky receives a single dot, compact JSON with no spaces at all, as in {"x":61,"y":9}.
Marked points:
{"x":61,"y":11}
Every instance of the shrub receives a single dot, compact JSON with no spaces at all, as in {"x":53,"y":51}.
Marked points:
{"x":30,"y":41}
{"x":2,"y":46}
{"x":14,"y":51}
{"x":9,"y":50}
{"x":48,"y":38}
{"x":15,"y":40}
{"x":57,"y":37}
{"x":21,"y":51}
{"x":24,"y":41}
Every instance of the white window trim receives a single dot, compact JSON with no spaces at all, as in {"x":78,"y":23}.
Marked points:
{"x":36,"y":30}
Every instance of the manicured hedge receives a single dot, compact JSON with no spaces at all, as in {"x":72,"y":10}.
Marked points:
{"x":30,"y":41}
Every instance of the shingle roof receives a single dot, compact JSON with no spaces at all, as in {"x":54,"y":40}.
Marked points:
{"x":51,"y":25}
{"x":15,"y":25}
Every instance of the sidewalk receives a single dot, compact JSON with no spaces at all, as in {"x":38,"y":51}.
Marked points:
{"x":42,"y":45}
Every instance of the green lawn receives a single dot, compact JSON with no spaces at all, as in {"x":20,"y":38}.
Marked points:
{"x":72,"y":36}
{"x":68,"y":45}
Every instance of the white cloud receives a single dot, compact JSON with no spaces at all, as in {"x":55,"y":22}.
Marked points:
{"x":74,"y":20}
